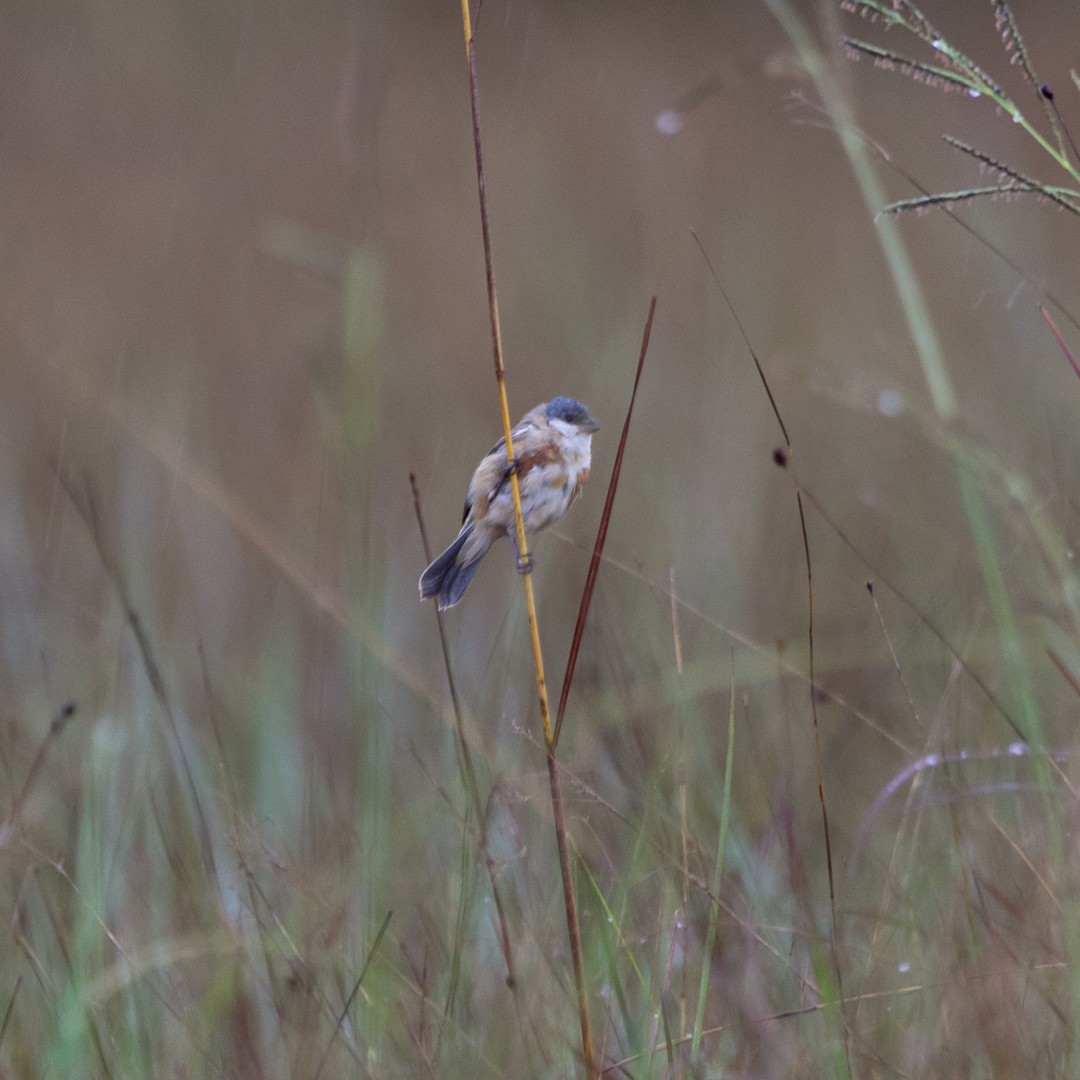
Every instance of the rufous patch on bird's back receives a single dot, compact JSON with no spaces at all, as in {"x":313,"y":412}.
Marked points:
{"x":545,"y":455}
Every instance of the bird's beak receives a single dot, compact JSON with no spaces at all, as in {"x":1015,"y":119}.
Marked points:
{"x":589,"y":425}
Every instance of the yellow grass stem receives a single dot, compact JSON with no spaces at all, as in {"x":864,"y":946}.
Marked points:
{"x":558,"y":812}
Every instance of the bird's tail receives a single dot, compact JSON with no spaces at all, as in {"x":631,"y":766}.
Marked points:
{"x":448,"y":577}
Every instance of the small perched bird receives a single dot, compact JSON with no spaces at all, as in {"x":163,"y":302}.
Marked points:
{"x":553,"y":451}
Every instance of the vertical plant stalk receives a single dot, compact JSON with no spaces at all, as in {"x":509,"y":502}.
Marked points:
{"x":468,"y":770}
{"x":781,"y":458}
{"x":681,"y":709}
{"x":928,"y":348}
{"x":601,"y":533}
{"x":718,"y":870}
{"x":34,"y":772}
{"x":558,"y":812}
{"x":908,"y":289}
{"x":352,"y":997}
{"x":86,"y":508}
{"x":920,"y":325}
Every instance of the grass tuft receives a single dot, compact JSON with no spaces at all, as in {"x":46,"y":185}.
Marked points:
{"x":957,"y":71}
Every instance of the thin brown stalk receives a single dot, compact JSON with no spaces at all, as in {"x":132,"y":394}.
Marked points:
{"x":684,"y":828}
{"x":676,"y":631}
{"x":1046,"y":95}
{"x":87,"y":510}
{"x":892,"y":653}
{"x":176,"y":1011}
{"x":92,"y":1026}
{"x":882,"y":997}
{"x":254,"y":894}
{"x":1060,"y":340}
{"x":10,"y":1009}
{"x":356,"y":987}
{"x":883,"y":155}
{"x":573,"y":925}
{"x":558,"y":813}
{"x":781,"y":458}
{"x":472,"y":785}
{"x":58,"y":724}
{"x":914,"y":608}
{"x":1066,"y":674}
{"x":601,"y":533}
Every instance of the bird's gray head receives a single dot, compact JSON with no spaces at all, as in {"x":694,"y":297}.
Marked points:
{"x":571,"y":411}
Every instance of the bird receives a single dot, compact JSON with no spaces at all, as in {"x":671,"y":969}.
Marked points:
{"x":553,"y":453}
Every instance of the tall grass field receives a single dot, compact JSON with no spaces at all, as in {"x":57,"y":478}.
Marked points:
{"x":805,"y":803}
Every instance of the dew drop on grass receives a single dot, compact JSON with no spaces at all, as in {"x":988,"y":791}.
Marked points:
{"x":669,"y":122}
{"x":972,"y":92}
{"x":904,"y":967}
{"x":1018,"y":749}
{"x":890,"y":402}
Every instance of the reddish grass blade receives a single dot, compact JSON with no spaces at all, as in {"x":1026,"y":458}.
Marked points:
{"x":601,"y":535}
{"x":1060,"y":340}
{"x":34,"y":772}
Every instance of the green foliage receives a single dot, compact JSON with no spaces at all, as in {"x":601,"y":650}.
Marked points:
{"x":954,"y":70}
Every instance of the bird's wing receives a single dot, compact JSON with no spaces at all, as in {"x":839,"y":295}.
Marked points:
{"x":493,"y":472}
{"x":515,"y":434}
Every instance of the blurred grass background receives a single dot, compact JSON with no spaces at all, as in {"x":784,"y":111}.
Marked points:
{"x":243,"y":299}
